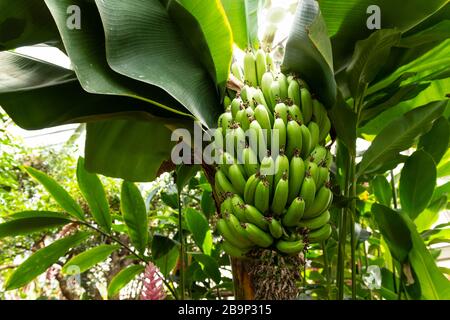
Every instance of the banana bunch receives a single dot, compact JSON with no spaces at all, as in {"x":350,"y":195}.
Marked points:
{"x":273,"y":168}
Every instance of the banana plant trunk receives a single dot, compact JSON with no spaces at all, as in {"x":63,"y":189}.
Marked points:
{"x":243,"y":281}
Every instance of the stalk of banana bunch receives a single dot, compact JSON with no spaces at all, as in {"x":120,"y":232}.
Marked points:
{"x":273,"y":169}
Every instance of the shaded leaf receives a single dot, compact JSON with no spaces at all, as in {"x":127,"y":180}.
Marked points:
{"x":42,"y":259}
{"x":199,"y":227}
{"x":87,"y":259}
{"x":343,"y":120}
{"x":382,"y":190}
{"x":209,"y":266}
{"x":184,"y":174}
{"x":430,"y":215}
{"x":122,"y":278}
{"x":164,"y":253}
{"x":436,"y":141}
{"x":134,"y":215}
{"x":207,"y":204}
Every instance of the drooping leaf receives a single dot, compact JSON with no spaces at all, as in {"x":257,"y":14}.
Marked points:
{"x":42,"y":259}
{"x":134,"y":215}
{"x":92,"y":189}
{"x":29,"y":222}
{"x":434,"y":33}
{"x":86,"y":49}
{"x":87,"y":259}
{"x":122,"y":278}
{"x":61,"y":196}
{"x":309,"y":53}
{"x":139,"y":31}
{"x":25,"y":22}
{"x":394,"y":230}
{"x":368,"y":58}
{"x":218,"y":35}
{"x":437,"y":140}
{"x":399,"y":135}
{"x":199,"y":227}
{"x":382,"y":190}
{"x":184,"y":173}
{"x":164,"y":253}
{"x":343,"y":120}
{"x":430,"y":215}
{"x":207,"y":203}
{"x":243,"y":18}
{"x":209,"y":266}
{"x":417,"y":182}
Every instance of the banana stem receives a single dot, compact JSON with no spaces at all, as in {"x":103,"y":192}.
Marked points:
{"x":326,"y":268}
{"x":352,"y":226}
{"x":182,"y":249}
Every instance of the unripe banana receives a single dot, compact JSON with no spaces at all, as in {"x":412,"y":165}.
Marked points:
{"x":225,"y":121}
{"x":223,"y":182}
{"x":321,"y":234}
{"x":294,"y":213}
{"x":282,"y":81}
{"x":281,"y":167}
{"x":324,"y":176}
{"x":291,"y":235}
{"x":226,"y":205}
{"x":236,"y":105}
{"x":275,"y":228}
{"x":274,"y":92}
{"x":262,"y":196}
{"x":294,"y":92}
{"x":325,"y":129}
{"x":295,"y":113}
{"x":227,"y":102}
{"x":306,"y":105}
{"x":250,"y":160}
{"x":237,"y":179}
{"x":235,"y":139}
{"x":237,"y":206}
{"x":315,"y":132}
{"x":242,"y":119}
{"x":266,"y":83}
{"x":218,"y":142}
{"x":226,"y":160}
{"x":294,"y":138}
{"x":233,"y":251}
{"x":237,"y":230}
{"x":280,"y":196}
{"x":281,"y":111}
{"x":260,"y":65}
{"x":250,"y":113}
{"x":313,"y":170}
{"x":250,"y":69}
{"x":270,"y":63}
{"x":319,"y":154}
{"x":250,"y":187}
{"x":321,"y":203}
{"x":328,"y":159}
{"x":319,"y":112}
{"x":315,"y":223}
{"x":306,"y":141}
{"x":290,"y":247}
{"x":258,"y":96}
{"x":308,"y":190}
{"x":224,"y":230}
{"x":257,"y":236}
{"x":246,"y":93}
{"x":253,"y":215}
{"x":262,"y":116}
{"x":257,"y":140}
{"x":279,"y":127}
{"x":237,"y":71}
{"x":296,"y":176}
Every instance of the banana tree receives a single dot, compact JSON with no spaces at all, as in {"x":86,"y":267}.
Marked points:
{"x":141,"y":69}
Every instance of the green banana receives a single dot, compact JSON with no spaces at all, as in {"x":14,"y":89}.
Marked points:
{"x":279,"y":127}
{"x":315,"y":223}
{"x":319,"y":112}
{"x":254,"y":216}
{"x":262,"y":196}
{"x":237,"y":179}
{"x":250,"y":187}
{"x":223,"y":182}
{"x":233,"y":251}
{"x":224,"y":230}
{"x":226,"y":160}
{"x":290,"y":247}
{"x":324,"y":176}
{"x":237,"y":231}
{"x":257,"y":236}
{"x":328,"y":160}
{"x":237,"y":71}
{"x":225,"y":121}
{"x":315,"y":132}
{"x":261,"y":66}
{"x":257,"y":140}
{"x":296,"y":176}
{"x":236,"y":105}
{"x":250,"y":113}
{"x":250,"y":69}
{"x":295,"y":113}
{"x":306,"y":141}
{"x":218,"y":141}
{"x":306,"y":104}
{"x":242,"y":119}
{"x":238,"y":207}
{"x":281,"y":111}
{"x":321,"y":234}
{"x":281,"y":167}
{"x":294,"y":213}
{"x":313,"y":170}
{"x":294,"y":92}
{"x":262,"y":116}
{"x":250,"y":160}
{"x":280,"y":196}
{"x":319,"y":154}
{"x":275,"y":93}
{"x":267,"y":167}
{"x":226,"y":205}
{"x":294,"y":137}
{"x":282,"y":80}
{"x":266,"y":83}
{"x":325,"y":129}
{"x":270,"y":62}
{"x":258,"y":96}
{"x":321,"y":203}
{"x":308,"y":190}
{"x":275,"y":227}
{"x":246,"y":93}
